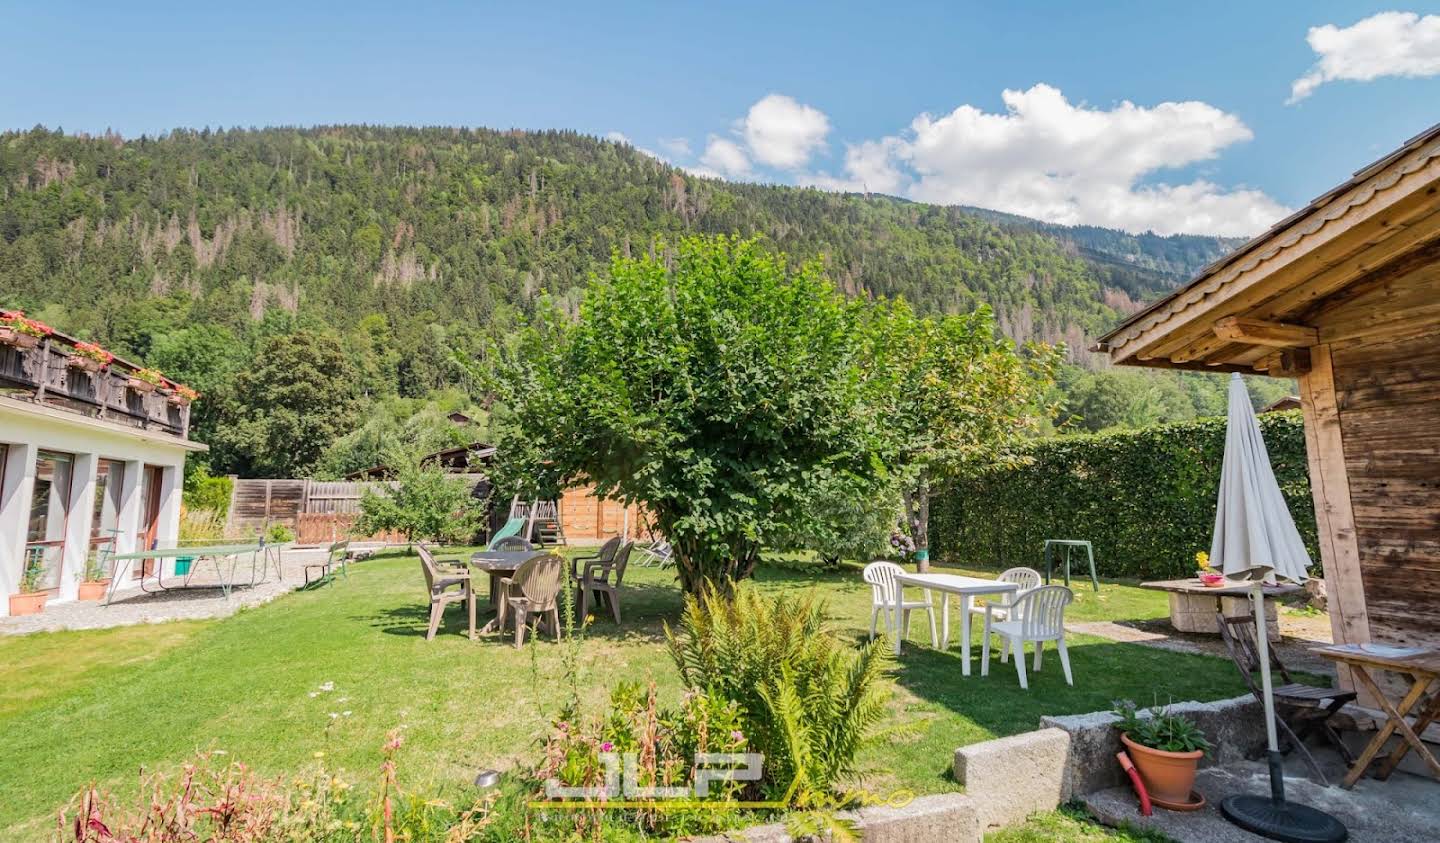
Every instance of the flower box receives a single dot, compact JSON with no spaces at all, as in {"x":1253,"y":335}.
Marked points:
{"x":83,"y":363}
{"x":20,"y":332}
{"x":145,"y":381}
{"x":11,"y":337}
{"x":181,"y":395}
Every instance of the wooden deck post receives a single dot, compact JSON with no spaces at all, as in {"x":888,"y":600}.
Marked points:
{"x":1334,"y":513}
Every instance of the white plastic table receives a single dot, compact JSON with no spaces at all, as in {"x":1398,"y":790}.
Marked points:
{"x":947,"y":584}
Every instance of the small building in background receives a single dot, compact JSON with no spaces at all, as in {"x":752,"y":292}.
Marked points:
{"x":1280,"y":405}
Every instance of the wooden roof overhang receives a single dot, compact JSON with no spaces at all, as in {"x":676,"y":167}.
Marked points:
{"x":1259,"y":309}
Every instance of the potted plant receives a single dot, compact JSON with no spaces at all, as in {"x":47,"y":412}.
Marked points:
{"x":1209,"y":577}
{"x":1166,"y":748}
{"x":88,"y":357}
{"x":182,"y":395}
{"x":145,"y":381}
{"x":22,"y":333}
{"x":31,"y":599}
{"x":94,"y":580}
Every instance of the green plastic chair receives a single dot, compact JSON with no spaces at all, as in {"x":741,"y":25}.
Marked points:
{"x":511,"y":528}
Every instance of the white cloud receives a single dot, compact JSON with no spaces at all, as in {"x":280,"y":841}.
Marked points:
{"x":678,"y":147}
{"x":618,"y":137}
{"x":1047,"y":158}
{"x":784,"y":133}
{"x":870,"y":167}
{"x":1386,"y":44}
{"x":724,"y":157}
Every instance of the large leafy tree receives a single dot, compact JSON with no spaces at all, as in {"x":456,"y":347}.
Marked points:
{"x":297,"y":397}
{"x":954,"y":395}
{"x":712,"y":383}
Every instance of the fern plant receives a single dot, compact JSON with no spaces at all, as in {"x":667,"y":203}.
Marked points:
{"x":809,"y":702}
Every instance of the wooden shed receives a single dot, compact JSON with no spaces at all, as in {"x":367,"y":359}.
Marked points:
{"x":1343,"y":296}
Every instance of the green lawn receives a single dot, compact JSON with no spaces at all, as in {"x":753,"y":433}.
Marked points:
{"x":99,"y":706}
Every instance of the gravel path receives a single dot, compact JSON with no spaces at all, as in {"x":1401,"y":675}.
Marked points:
{"x":1299,"y":634}
{"x":133,"y":606}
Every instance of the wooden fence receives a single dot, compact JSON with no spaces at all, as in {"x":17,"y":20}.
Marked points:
{"x":317,"y":510}
{"x":321,"y":511}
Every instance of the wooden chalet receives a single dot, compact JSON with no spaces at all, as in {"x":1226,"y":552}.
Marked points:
{"x":1343,"y":296}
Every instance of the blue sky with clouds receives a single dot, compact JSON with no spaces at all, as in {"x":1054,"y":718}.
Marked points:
{"x":1207,"y":117}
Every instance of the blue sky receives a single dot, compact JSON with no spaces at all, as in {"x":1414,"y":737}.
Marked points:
{"x":847,"y":83}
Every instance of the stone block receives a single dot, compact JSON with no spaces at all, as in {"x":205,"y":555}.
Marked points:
{"x":1235,"y":727}
{"x":1195,"y":613}
{"x":1012,"y":777}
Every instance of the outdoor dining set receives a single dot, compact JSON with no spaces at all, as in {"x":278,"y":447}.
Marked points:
{"x":528,"y":584}
{"x":1015,"y":606}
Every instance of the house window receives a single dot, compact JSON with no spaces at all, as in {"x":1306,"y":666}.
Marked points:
{"x":49,"y":510}
{"x":109,"y":485}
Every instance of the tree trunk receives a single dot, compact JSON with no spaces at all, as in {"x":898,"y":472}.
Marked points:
{"x":917,"y":520}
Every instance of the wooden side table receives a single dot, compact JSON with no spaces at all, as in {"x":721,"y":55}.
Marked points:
{"x":1423,"y":668}
{"x":1054,"y":545}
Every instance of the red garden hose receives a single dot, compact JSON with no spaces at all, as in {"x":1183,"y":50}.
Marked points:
{"x":1134,"y":774}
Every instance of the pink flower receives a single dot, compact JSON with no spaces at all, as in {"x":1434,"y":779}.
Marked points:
{"x":607,"y":747}
{"x":737,"y":735}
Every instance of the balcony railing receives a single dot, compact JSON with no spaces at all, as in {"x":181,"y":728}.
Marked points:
{"x":43,"y":374}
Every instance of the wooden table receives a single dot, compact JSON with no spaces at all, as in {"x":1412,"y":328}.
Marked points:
{"x":1192,"y":593}
{"x":499,"y":564}
{"x":1423,"y":667}
{"x":947,"y":584}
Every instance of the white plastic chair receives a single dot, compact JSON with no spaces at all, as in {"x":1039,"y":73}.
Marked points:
{"x":658,"y":553}
{"x":1025,"y":579}
{"x":881,"y":577}
{"x":1036,"y":616}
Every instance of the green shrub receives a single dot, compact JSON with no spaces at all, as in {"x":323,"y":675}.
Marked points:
{"x":425,"y":503}
{"x":279,"y":534}
{"x":1144,"y":498}
{"x":203,"y":491}
{"x":664,"y":743}
{"x":807,"y":701}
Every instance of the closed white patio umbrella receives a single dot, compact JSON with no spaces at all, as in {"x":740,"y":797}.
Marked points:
{"x":1256,"y":540}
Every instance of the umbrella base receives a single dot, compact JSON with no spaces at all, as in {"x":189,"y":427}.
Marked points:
{"x":1284,"y":821}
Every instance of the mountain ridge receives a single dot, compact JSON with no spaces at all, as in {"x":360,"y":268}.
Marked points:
{"x":453,"y":226}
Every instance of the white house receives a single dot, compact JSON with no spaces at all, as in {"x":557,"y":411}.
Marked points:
{"x":89,"y":461}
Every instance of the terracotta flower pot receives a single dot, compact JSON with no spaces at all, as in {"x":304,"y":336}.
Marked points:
{"x":1168,"y":776}
{"x":24,"y":342}
{"x":140,"y":387}
{"x":93,"y":590}
{"x":28,"y":602}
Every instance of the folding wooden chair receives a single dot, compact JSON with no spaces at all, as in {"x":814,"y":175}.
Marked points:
{"x":1311,"y":707}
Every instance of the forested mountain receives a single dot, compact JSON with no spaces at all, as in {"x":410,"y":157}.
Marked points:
{"x":409,"y":245}
{"x":457,"y":226}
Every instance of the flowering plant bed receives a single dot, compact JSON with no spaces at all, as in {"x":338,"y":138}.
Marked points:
{"x":88,"y":357}
{"x":21,"y":332}
{"x":145,"y":381}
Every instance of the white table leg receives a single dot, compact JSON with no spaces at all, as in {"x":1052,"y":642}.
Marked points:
{"x":965,"y":635}
{"x":895,"y":617}
{"x":944,"y":620}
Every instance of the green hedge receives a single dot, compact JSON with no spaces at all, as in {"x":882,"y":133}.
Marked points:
{"x":1144,"y":498}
